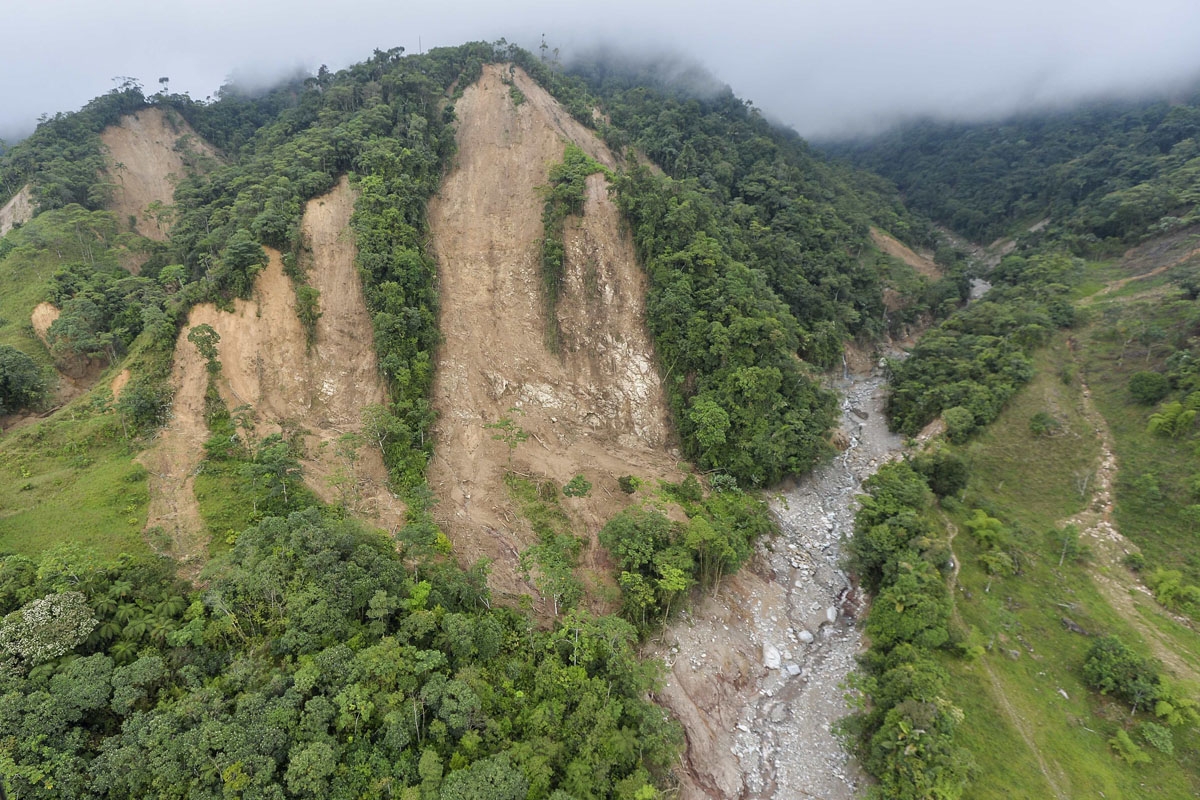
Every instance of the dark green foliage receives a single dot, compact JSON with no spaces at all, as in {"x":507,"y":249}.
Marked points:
{"x":315,"y":664}
{"x":1110,"y":667}
{"x":905,"y":736}
{"x":22,"y":384}
{"x":743,"y":402}
{"x":658,"y":560}
{"x":800,"y":221}
{"x":968,"y":367}
{"x":944,"y":470}
{"x":1115,"y":170}
{"x":1147,"y":388}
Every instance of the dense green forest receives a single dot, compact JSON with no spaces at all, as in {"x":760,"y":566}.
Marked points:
{"x":1108,"y":173}
{"x":317,"y":658}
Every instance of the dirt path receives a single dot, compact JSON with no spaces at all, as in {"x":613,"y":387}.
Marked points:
{"x":1115,"y":581}
{"x":758,"y":670}
{"x":999,"y":696}
{"x":596,"y":408}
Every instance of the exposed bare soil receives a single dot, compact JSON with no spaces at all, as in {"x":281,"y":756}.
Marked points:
{"x":172,"y":461}
{"x":596,"y":408}
{"x":118,"y":384}
{"x":922,"y":263}
{"x":265,"y":364}
{"x":43,"y":316}
{"x":16,"y":211}
{"x":145,"y":160}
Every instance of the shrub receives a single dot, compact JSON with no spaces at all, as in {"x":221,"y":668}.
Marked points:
{"x":1147,"y":388}
{"x":21,"y":382}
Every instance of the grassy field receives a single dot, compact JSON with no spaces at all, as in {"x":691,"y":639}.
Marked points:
{"x":72,"y":479}
{"x":1154,"y":484}
{"x":1035,"y":729}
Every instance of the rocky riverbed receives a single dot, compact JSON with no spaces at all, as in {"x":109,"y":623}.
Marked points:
{"x":756,"y":672}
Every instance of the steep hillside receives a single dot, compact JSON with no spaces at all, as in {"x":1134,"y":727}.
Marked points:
{"x":16,"y":211}
{"x":319,"y":393}
{"x":596,"y":408}
{"x":147,"y":153}
{"x":1109,"y":170}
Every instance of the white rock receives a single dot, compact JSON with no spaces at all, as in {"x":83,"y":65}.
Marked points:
{"x":805,"y":637}
{"x":793,"y":669}
{"x":771,"y":657}
{"x":831,"y":614}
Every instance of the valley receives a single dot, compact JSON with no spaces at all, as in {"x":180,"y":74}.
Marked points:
{"x":463,"y":424}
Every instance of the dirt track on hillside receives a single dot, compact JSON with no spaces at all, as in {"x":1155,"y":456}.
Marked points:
{"x":596,"y":408}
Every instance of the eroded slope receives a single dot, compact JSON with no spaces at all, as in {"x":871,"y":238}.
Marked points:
{"x":266,"y":364}
{"x":596,"y":408}
{"x":148,"y":152}
{"x":16,"y":211}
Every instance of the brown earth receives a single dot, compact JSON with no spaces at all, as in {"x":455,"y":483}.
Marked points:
{"x":16,"y":211}
{"x":596,"y":408}
{"x":43,"y":316}
{"x":923,"y":264}
{"x":145,"y":160}
{"x":118,"y":384}
{"x":266,"y":365}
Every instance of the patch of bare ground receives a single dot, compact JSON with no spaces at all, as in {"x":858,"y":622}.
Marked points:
{"x":172,"y":461}
{"x":148,"y":152}
{"x":1116,"y":582}
{"x":117,"y":385}
{"x":75,"y":376}
{"x":319,"y":393}
{"x":922,"y":263}
{"x":1153,"y":258}
{"x":17,"y":211}
{"x":595,"y":408}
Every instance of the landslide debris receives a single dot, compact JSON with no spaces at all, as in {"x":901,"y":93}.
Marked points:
{"x":148,"y":152}
{"x":16,"y":211}
{"x":266,"y":364}
{"x":597,"y":407}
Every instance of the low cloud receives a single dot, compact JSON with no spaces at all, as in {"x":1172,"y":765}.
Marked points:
{"x":826,"y":68}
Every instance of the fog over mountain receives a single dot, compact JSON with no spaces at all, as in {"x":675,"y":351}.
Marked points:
{"x":825,"y":68}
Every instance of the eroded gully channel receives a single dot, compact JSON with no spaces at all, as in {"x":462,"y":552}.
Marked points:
{"x":757,"y":673}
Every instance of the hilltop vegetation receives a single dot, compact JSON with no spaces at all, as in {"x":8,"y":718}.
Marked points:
{"x":1107,"y":173}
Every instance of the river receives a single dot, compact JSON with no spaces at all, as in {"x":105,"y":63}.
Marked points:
{"x":756,"y":673}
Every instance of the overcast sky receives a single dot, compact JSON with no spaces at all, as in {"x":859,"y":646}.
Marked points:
{"x":826,"y":67}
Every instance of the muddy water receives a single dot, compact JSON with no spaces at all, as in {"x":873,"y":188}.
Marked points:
{"x":789,"y":626}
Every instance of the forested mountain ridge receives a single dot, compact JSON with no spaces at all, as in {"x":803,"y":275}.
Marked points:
{"x":318,"y":657}
{"x":1109,"y":172}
